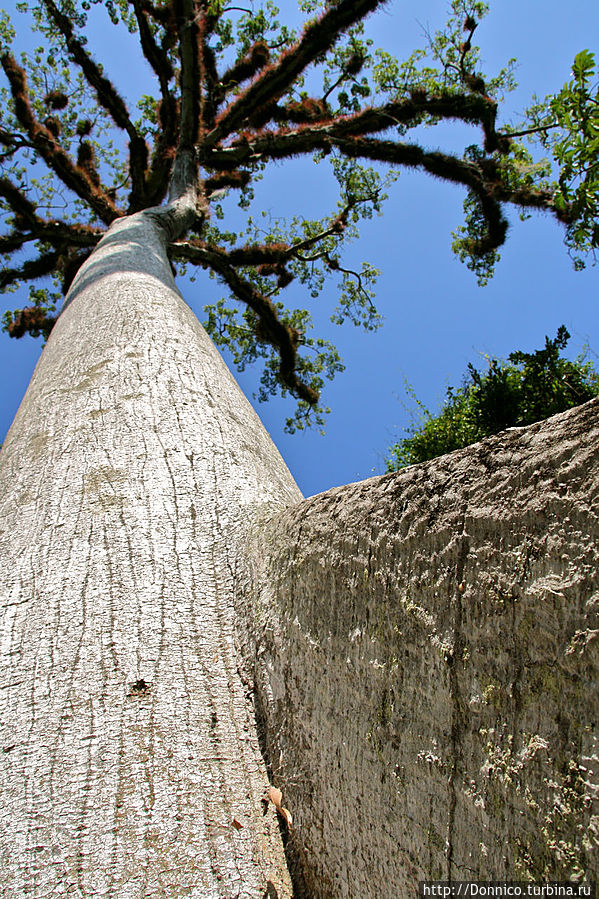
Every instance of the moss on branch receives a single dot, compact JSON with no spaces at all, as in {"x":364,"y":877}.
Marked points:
{"x":110,"y":99}
{"x":57,"y":159}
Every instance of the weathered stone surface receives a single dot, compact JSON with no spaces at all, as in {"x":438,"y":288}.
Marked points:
{"x":425,"y":648}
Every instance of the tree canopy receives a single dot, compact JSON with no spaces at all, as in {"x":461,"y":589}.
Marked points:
{"x":236,"y":90}
{"x":526,"y":388}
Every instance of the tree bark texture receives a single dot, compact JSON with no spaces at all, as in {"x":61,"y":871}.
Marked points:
{"x":425,"y":648}
{"x":130,"y":760}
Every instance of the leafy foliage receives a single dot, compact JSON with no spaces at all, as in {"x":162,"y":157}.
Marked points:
{"x":527,"y":388}
{"x":234,"y":90}
{"x":575,"y":148}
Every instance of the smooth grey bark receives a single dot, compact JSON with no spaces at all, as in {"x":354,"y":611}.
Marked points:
{"x":130,"y":474}
{"x":425,"y":646}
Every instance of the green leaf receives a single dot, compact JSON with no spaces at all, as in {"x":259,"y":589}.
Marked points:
{"x":584,"y":63}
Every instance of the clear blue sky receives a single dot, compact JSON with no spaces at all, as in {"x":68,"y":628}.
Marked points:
{"x":436,"y":317}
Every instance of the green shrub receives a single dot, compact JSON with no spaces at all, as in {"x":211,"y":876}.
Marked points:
{"x":526,"y":388}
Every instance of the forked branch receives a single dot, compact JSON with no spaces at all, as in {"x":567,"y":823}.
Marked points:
{"x":55,"y":157}
{"x":110,"y":99}
{"x":275,"y":79}
{"x":269,"y":327}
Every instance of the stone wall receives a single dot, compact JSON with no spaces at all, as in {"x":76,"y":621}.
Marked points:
{"x":425,"y":652}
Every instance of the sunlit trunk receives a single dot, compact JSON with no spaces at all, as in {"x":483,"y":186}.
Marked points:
{"x":130,"y":758}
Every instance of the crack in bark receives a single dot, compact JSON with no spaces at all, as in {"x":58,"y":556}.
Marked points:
{"x":455,"y":662}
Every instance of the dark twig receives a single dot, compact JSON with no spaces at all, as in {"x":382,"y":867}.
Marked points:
{"x":535,"y":130}
{"x":51,"y":152}
{"x":110,"y":99}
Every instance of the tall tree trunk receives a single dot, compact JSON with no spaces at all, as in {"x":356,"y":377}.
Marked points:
{"x":130,"y":760}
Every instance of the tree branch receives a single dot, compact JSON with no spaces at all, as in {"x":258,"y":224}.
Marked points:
{"x":535,"y":130}
{"x":270,"y":259}
{"x":14,"y":240}
{"x":161,"y":166}
{"x":161,"y":64}
{"x":24,"y":209}
{"x":279,"y":253}
{"x":45,"y":264}
{"x":110,"y":99}
{"x":13,"y":141}
{"x":255,"y":59}
{"x":275,"y":79}
{"x":58,"y":234}
{"x":270,"y":329}
{"x":32,"y":320}
{"x":442,"y":165}
{"x":469,"y":108}
{"x":211,"y":92}
{"x":72,"y":176}
{"x":190,"y":33}
{"x":483,"y":177}
{"x":224,"y":180}
{"x":29,"y":226}
{"x":154,"y":54}
{"x":185,"y":169}
{"x":163,"y":154}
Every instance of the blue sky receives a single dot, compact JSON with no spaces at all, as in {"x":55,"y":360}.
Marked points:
{"x":436,"y":317}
